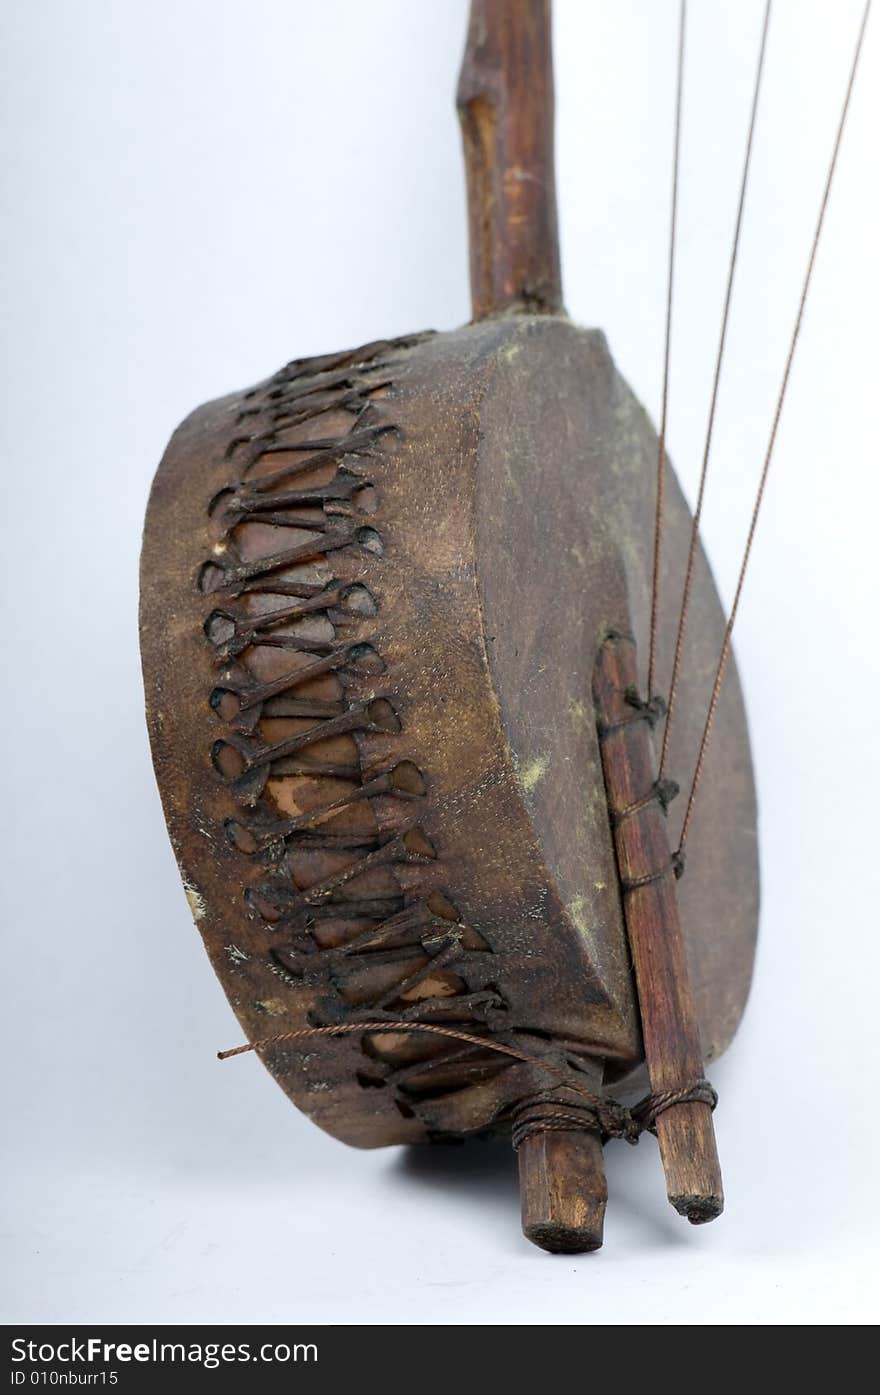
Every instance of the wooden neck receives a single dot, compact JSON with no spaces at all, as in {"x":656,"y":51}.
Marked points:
{"x":505,"y":106}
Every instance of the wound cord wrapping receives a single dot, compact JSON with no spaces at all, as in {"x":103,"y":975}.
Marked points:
{"x":541,"y":1113}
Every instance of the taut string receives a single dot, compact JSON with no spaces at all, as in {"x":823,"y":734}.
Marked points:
{"x":661,"y":445}
{"x":725,"y":646}
{"x":719,"y":360}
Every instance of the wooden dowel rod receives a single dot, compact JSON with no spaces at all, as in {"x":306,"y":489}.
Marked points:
{"x":669,"y":1025}
{"x":562,"y":1178}
{"x":562,"y":1191}
{"x":505,"y":106}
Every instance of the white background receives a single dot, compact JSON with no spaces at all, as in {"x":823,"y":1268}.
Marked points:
{"x":194,"y":193}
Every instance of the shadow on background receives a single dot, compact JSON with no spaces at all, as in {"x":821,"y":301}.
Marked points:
{"x":483,"y":1176}
{"x":479,"y":1177}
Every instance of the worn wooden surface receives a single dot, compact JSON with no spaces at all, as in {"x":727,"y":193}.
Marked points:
{"x":649,"y":887}
{"x":505,"y":106}
{"x":563,"y":1193}
{"x":374,"y":588}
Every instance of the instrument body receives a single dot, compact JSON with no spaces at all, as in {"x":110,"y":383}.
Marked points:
{"x":388,"y":797}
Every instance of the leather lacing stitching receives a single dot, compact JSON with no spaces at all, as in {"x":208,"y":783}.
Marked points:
{"x":304,"y":392}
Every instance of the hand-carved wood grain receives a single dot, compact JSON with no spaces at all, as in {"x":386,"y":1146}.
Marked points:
{"x":377,"y":748}
{"x":505,"y":106}
{"x":373,"y":588}
{"x":648,"y":874}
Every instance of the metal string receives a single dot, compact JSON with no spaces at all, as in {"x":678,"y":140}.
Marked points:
{"x":661,"y":446}
{"x":725,"y":647}
{"x":719,"y":360}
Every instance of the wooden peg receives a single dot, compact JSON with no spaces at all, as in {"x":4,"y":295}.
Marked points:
{"x":561,"y":1174}
{"x":648,"y":883}
{"x":562,"y":1191}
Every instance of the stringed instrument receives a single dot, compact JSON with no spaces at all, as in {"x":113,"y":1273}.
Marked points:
{"x":428,"y":639}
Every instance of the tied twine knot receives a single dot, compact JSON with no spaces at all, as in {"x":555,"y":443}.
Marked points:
{"x":568,"y":1107}
{"x":556,"y":1113}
